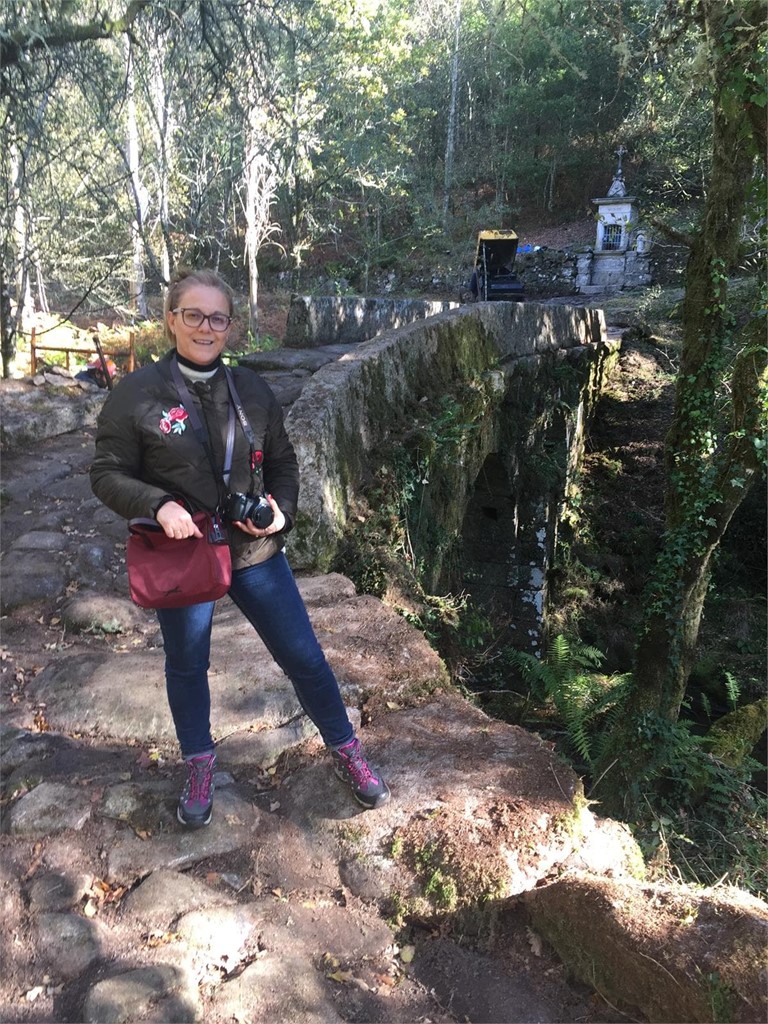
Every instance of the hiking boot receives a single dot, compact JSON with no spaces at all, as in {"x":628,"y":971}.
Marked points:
{"x":196,"y":801}
{"x":350,"y":765}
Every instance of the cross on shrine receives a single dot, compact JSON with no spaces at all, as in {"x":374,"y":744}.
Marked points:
{"x":620,"y":152}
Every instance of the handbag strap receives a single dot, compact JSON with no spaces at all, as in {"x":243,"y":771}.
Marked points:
{"x":140,"y":525}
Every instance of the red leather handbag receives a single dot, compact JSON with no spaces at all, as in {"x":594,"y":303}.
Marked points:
{"x":168,"y":573}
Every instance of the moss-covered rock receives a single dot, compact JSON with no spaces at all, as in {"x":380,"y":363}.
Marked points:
{"x":673,"y":953}
{"x":733,"y":737}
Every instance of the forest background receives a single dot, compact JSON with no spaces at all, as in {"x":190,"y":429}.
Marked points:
{"x":352,"y":136}
{"x":353,"y":142}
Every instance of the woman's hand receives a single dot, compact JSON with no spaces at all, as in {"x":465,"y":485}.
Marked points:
{"x":275,"y":526}
{"x":176,"y":521}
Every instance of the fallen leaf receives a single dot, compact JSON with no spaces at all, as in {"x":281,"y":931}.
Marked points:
{"x":33,"y":993}
{"x":37,"y":857}
{"x":385,"y":979}
{"x":274,"y":805}
{"x":343,"y":977}
{"x":393,"y":706}
{"x":161,"y":938}
{"x":407,"y":953}
{"x":90,"y":908}
{"x":40,"y":722}
{"x":116,"y":894}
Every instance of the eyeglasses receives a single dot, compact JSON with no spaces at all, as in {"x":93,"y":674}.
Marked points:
{"x":194,"y":318}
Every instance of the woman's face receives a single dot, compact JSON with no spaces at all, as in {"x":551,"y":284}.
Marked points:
{"x":199,"y":344}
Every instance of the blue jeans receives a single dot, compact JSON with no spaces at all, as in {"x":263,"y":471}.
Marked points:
{"x":268,"y":597}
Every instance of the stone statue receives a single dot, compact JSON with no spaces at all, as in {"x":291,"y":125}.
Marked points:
{"x":618,"y":188}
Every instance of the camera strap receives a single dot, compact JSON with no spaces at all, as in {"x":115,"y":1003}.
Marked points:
{"x":255,"y":456}
{"x":197,"y":425}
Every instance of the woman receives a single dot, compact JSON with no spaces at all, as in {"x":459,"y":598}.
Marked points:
{"x":149,"y":462}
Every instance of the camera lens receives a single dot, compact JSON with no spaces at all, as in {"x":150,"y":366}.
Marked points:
{"x":261,"y":514}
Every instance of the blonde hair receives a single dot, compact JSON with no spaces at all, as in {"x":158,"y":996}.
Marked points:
{"x":181,"y":281}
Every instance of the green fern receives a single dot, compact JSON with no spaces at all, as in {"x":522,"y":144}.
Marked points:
{"x":733,"y":689}
{"x":567,"y":678}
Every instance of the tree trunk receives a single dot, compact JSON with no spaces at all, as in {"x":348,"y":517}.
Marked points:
{"x":450,"y":144}
{"x":163,"y":129}
{"x":138,"y":293}
{"x":25,"y":309}
{"x":711,"y":453}
{"x":7,"y":327}
{"x":260,"y":189}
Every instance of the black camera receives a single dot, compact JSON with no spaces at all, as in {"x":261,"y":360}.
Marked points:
{"x":253,"y":507}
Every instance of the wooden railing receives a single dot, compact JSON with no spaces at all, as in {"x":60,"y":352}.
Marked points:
{"x":128,"y":355}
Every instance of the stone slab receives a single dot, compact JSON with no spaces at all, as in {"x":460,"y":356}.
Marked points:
{"x":232,"y":826}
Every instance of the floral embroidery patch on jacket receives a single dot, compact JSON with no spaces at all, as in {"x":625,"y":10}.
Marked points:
{"x":174,"y":421}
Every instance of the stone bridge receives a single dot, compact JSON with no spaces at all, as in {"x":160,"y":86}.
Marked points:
{"x":489,"y":403}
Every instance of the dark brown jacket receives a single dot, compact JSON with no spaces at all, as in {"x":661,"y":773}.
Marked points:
{"x":146,"y":450}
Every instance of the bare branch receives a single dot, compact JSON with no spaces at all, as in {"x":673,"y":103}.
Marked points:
{"x":14,"y":45}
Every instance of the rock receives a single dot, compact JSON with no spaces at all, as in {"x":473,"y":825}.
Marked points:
{"x":465,"y":788}
{"x":371,"y":649}
{"x":94,"y":555}
{"x":29,"y":579}
{"x":222,"y":934}
{"x":166,"y":895}
{"x":132,"y":857}
{"x":145,"y":806}
{"x":68,"y":943}
{"x":328,"y":320}
{"x":281,"y":989}
{"x":320,"y":591}
{"x":161,"y":994}
{"x":733,"y":737}
{"x":53,"y":892}
{"x":18,"y":746}
{"x":58,"y":380}
{"x":605,"y":847}
{"x":31,"y":413}
{"x":39,"y":540}
{"x":50,"y":807}
{"x":673,"y":953}
{"x":103,"y":612}
{"x":287,"y":859}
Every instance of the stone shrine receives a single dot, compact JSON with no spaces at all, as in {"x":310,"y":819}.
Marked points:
{"x":619,"y":259}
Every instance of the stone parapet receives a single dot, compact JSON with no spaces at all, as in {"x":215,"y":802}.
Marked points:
{"x":329,"y":320}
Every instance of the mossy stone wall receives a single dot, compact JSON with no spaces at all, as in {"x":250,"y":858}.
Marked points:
{"x":526,"y":376}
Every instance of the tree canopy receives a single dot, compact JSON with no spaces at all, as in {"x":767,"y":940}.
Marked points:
{"x":351,"y":103}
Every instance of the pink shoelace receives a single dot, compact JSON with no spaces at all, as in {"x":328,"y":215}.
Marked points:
{"x":356,"y":764}
{"x":199,"y":779}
